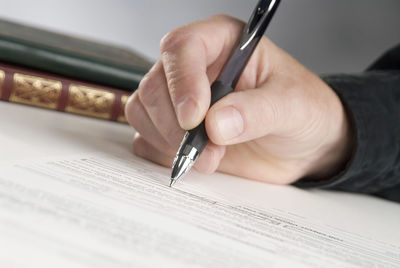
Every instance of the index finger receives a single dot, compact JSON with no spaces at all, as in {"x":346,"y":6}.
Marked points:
{"x":187,"y":52}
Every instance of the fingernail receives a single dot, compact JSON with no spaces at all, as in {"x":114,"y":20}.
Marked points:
{"x":186,"y":110}
{"x":229,"y":122}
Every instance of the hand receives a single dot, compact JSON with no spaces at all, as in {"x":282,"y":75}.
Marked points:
{"x":282,"y":122}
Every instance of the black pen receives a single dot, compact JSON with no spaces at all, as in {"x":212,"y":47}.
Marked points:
{"x":196,"y":139}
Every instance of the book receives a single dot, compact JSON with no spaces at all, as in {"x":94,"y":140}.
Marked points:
{"x":71,"y":56}
{"x":46,"y":90}
{"x":72,"y":194}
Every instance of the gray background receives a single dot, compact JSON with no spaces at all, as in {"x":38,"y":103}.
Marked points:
{"x":325,"y":35}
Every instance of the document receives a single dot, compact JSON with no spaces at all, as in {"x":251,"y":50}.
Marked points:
{"x":100,"y":210}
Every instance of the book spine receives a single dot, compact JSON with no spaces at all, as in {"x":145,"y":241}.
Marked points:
{"x":72,"y":66}
{"x":45,"y":90}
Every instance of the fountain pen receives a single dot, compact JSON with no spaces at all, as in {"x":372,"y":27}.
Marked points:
{"x":196,"y":139}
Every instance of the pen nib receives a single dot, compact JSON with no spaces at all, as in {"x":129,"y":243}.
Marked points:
{"x":183,"y":161}
{"x":181,"y":166}
{"x":172,"y":182}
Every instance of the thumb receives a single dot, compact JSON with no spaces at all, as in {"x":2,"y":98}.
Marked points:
{"x":244,"y":115}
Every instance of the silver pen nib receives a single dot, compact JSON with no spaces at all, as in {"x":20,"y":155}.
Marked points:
{"x":172,"y":182}
{"x":183,"y":161}
{"x":181,"y":166}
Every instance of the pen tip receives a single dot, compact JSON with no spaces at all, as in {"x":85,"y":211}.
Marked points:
{"x":172,"y":182}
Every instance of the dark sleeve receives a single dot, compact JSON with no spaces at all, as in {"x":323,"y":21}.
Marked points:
{"x":372,"y":101}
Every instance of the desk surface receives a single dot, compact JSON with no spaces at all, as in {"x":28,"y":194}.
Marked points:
{"x":25,"y":129}
{"x":53,"y":214}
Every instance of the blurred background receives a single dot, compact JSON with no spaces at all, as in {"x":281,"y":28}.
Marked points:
{"x":325,"y":35}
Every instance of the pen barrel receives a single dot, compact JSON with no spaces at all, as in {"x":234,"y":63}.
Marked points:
{"x":198,"y":137}
{"x":218,"y":91}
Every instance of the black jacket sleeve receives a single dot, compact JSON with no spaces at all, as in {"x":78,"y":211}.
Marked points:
{"x":372,"y":101}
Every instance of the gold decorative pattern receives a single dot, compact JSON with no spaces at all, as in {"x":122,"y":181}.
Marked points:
{"x":36,"y":91}
{"x":2,"y":77}
{"x":90,"y":101}
{"x":121,"y":118}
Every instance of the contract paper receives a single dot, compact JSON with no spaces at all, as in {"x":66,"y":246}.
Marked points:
{"x":97,"y":210}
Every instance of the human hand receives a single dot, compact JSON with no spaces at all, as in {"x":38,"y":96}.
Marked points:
{"x":282,"y":122}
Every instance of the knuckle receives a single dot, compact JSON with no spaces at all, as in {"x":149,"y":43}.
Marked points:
{"x":129,"y":105}
{"x":146,"y":81}
{"x":228,"y":20}
{"x":147,"y":92}
{"x":172,"y":39}
{"x":177,"y":82}
{"x":222,"y":17}
{"x":132,"y":111}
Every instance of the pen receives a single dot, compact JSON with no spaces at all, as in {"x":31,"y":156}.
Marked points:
{"x":196,"y":139}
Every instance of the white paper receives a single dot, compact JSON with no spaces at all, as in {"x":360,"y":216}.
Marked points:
{"x":99,"y":210}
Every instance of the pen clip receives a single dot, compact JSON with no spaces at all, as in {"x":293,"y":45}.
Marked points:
{"x":258,"y":22}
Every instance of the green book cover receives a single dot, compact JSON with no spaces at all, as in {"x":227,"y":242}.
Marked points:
{"x":70,"y":56}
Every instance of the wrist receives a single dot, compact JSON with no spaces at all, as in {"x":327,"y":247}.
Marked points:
{"x":335,"y":153}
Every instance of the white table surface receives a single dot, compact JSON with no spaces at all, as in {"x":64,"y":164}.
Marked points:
{"x":24,"y":129}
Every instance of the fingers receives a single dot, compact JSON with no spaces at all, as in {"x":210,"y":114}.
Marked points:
{"x":154,"y":97}
{"x":149,"y":110}
{"x":210,"y":158}
{"x":141,"y":122}
{"x":146,"y":150}
{"x":186,"y":54}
